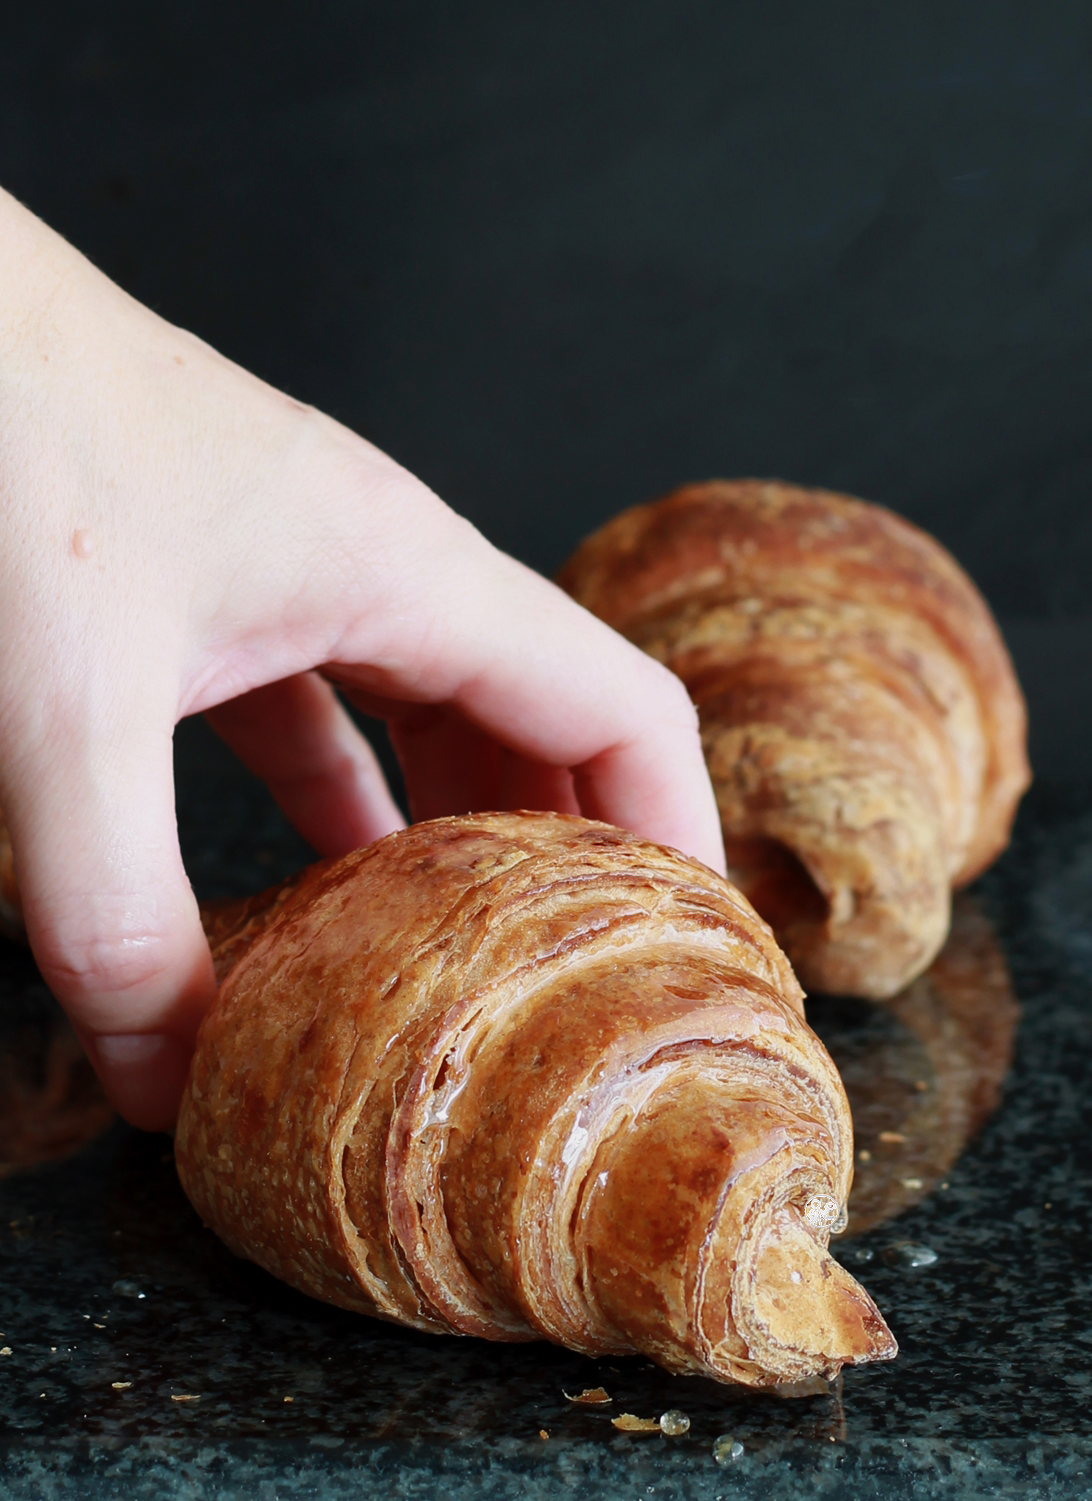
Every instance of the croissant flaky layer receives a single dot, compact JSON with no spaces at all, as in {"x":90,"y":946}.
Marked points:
{"x":862,"y":723}
{"x":525,"y":1076}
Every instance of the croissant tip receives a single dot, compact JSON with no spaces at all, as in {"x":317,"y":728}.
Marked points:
{"x":810,"y":1310}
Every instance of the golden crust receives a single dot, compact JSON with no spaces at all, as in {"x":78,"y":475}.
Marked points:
{"x":864,"y":729}
{"x":524,"y":1076}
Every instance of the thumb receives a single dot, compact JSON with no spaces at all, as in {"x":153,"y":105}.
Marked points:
{"x":109,"y":912}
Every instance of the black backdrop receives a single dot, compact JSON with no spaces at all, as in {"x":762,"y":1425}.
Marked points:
{"x":558,"y":258}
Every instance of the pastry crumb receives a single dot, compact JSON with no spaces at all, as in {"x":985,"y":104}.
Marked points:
{"x":895,"y":1138}
{"x":628,"y":1422}
{"x":591,"y":1396}
{"x":542,"y":1433}
{"x":121,"y":1386}
{"x":185,"y":1397}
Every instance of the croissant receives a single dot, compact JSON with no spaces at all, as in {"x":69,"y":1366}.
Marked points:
{"x":525,"y":1076}
{"x":863,"y":727}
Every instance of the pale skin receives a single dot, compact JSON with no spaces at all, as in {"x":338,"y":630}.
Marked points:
{"x":180,"y":538}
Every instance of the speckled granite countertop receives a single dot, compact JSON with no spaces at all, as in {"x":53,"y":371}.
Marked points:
{"x":115,"y":1304}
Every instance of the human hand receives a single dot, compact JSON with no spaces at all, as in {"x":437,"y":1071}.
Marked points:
{"x":179,"y":537}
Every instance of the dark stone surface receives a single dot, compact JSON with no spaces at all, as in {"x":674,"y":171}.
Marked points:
{"x":989,"y":1396}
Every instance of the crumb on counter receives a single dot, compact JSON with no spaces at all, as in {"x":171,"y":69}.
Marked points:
{"x":628,"y":1422}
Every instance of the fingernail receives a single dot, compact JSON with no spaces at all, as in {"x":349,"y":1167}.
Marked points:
{"x":144,"y":1074}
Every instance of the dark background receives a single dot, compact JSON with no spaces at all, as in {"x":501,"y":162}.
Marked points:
{"x":559,"y":258}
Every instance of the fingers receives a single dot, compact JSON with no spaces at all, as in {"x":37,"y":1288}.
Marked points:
{"x":322,"y":772}
{"x":451,"y":766}
{"x":109,"y":912}
{"x":531,"y":669}
{"x":530,"y":784}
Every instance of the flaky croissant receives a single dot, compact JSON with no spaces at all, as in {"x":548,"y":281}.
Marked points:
{"x":526,"y":1076}
{"x":863,"y":726}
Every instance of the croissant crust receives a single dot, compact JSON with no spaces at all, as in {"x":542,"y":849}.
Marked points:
{"x":525,"y":1076}
{"x":863,"y":726}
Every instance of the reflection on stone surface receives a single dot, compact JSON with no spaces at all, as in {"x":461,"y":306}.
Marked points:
{"x":51,"y":1103}
{"x":923,"y":1070}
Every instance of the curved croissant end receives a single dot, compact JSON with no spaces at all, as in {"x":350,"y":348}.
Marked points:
{"x":863,"y":726}
{"x":525,"y":1076}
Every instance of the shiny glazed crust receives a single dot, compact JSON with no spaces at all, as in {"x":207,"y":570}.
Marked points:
{"x":525,"y":1076}
{"x":862,"y":723}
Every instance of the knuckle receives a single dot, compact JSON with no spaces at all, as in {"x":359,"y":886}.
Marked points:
{"x":97,"y":961}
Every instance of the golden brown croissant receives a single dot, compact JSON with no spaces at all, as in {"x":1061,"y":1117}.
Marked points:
{"x":526,"y":1076}
{"x":862,"y":723}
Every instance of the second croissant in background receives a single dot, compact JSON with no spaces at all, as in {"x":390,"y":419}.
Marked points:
{"x":862,"y":722}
